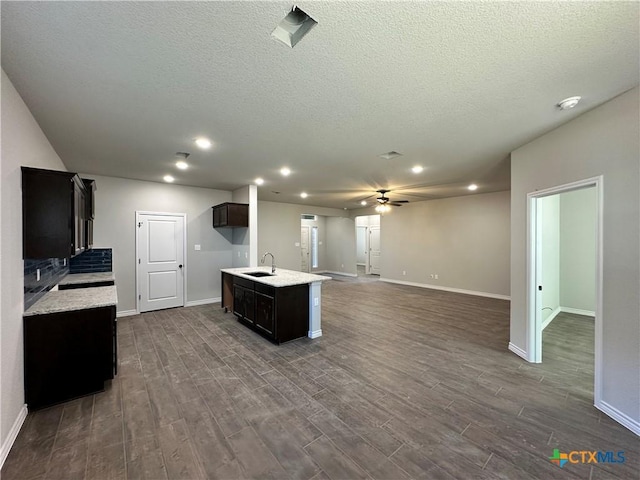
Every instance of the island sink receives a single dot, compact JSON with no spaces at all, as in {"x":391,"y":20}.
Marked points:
{"x":260,"y":274}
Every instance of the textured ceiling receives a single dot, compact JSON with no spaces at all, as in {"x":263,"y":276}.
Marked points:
{"x":119,"y":87}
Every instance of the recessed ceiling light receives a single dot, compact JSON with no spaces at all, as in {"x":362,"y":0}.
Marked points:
{"x":568,"y":103}
{"x":168,"y":178}
{"x":182,"y":165}
{"x":473,"y":187}
{"x":417,"y":169}
{"x":285,"y":171}
{"x":293,"y":27}
{"x":259,"y":181}
{"x":363,"y":202}
{"x":390,"y":155}
{"x":203,"y":143}
{"x":304,"y":195}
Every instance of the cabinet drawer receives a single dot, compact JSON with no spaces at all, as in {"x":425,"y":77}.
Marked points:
{"x":243,"y":282}
{"x":265,"y":289}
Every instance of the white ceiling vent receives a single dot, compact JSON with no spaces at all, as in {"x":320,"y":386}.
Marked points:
{"x":293,"y":27}
{"x":390,"y":155}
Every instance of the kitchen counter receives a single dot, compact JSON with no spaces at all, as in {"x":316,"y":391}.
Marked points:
{"x":75,"y":299}
{"x":81,"y":278}
{"x":282,"y":278}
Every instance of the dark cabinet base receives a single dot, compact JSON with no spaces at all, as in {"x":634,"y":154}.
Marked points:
{"x":68,"y":354}
{"x":279,"y":314}
{"x":71,"y":286}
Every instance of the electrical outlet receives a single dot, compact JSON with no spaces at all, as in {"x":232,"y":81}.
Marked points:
{"x":64,"y":262}
{"x":316,"y":301}
{"x":196,"y":247}
{"x":342,"y":265}
{"x":238,"y":254}
{"x":436,"y":277}
{"x":37,"y":274}
{"x":246,"y":254}
{"x":404,"y":272}
{"x":297,"y":244}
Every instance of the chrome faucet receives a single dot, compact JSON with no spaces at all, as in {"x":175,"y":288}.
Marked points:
{"x":273,"y":261}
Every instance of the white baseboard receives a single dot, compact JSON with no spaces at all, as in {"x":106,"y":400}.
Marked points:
{"x":622,"y":418}
{"x":345,"y":274}
{"x":447,"y":289}
{"x":518,"y":351}
{"x":204,"y":301}
{"x":577,"y":311}
{"x":550,"y":318}
{"x":126,"y":313}
{"x":315,"y":333}
{"x":13,"y":434}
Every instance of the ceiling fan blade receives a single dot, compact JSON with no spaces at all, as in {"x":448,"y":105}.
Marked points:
{"x":401,"y":201}
{"x":395,"y":204}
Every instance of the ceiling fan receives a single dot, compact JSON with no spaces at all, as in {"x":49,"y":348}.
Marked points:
{"x":384,"y":200}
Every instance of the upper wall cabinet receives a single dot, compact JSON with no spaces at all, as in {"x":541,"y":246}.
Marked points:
{"x":231,"y":215}
{"x":54,"y":214}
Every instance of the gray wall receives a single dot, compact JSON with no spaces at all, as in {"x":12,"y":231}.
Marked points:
{"x":550,"y":269}
{"x":603,"y":141}
{"x":279,"y":231}
{"x":465,"y":240}
{"x":341,"y":245}
{"x":23,"y":143}
{"x":578,"y":249}
{"x":117,"y":200}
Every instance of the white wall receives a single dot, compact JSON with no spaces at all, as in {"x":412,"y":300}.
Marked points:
{"x":464,"y":240}
{"x":578,"y":249}
{"x":279,"y":231}
{"x":550,"y":254}
{"x":23,"y":143}
{"x":603,"y":141}
{"x":118,"y":199}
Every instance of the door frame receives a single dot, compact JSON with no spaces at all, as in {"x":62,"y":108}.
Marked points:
{"x":534,"y":256}
{"x":184,"y":253}
{"x":308,"y":234}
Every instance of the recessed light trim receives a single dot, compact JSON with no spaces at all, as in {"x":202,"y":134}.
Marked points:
{"x":293,"y":27}
{"x":168,"y":178}
{"x":473,"y":187}
{"x":417,"y":169}
{"x":568,"y":103}
{"x":182,"y":165}
{"x":304,"y":194}
{"x":259,"y":181}
{"x":203,"y":143}
{"x":363,"y":203}
{"x":285,"y":171}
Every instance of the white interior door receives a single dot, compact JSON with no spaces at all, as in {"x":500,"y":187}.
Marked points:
{"x":160,"y":268}
{"x":374,"y":250}
{"x":304,"y":249}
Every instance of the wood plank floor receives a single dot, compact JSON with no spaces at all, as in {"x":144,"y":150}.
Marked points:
{"x":405,"y":383}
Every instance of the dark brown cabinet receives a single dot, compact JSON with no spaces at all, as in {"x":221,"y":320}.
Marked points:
{"x":279,"y":313}
{"x":68,"y":354}
{"x":54,"y":214}
{"x":231,"y":215}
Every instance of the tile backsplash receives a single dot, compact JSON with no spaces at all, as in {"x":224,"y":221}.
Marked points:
{"x":52,"y":270}
{"x":96,"y":260}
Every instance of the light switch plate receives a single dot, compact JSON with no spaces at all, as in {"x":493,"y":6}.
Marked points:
{"x":196,"y":247}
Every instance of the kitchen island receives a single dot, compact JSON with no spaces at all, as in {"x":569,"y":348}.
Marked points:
{"x":281,"y":306}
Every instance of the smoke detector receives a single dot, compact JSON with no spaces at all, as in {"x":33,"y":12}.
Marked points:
{"x":293,"y":27}
{"x":390,"y":155}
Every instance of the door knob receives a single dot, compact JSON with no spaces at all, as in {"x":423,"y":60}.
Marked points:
{"x":180,"y":266}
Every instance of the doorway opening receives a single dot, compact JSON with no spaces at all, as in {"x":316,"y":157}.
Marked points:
{"x":368,"y":249}
{"x":310,"y":242}
{"x":564,"y":281}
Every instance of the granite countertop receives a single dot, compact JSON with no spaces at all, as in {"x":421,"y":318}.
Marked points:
{"x":74,"y":299}
{"x":282,"y":278}
{"x":80,"y":278}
